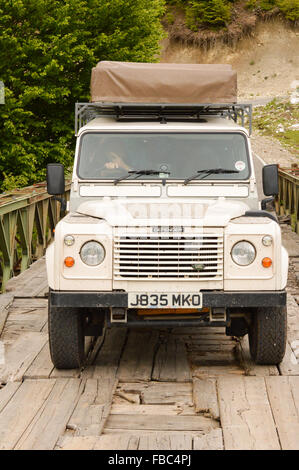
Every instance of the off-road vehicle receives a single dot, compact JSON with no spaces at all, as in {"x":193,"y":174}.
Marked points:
{"x":165,"y":224}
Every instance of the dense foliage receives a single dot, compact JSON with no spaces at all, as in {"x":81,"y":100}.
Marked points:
{"x":289,"y":8}
{"x":214,"y":13}
{"x":47,"y":50}
{"x":218,"y":13}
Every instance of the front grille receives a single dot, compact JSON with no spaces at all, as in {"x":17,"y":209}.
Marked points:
{"x":169,"y":256}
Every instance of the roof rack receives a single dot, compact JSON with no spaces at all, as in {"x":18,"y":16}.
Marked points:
{"x":85,"y":112}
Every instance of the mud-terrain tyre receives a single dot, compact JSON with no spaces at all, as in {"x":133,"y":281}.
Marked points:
{"x":66,"y":338}
{"x":267,"y":335}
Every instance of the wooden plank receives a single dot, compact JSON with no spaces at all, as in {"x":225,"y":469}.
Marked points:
{"x":167,"y":394}
{"x":7,"y":392}
{"x":210,"y":441}
{"x":20,"y":354}
{"x":21,"y":410}
{"x":137,"y":360}
{"x":135,"y":409}
{"x":161,"y":441}
{"x":29,"y":281}
{"x":5,"y":302}
{"x":41,"y":290}
{"x":106,"y":362}
{"x":181,"y":441}
{"x":65,"y":373}
{"x":30,"y":302}
{"x":284,"y":399}
{"x":160,"y":422}
{"x":212,"y":358}
{"x":33,"y":288}
{"x":42,"y":365}
{"x":205,"y":397}
{"x":245,"y":413}
{"x":290,"y":363}
{"x":156,"y":441}
{"x":44,"y":291}
{"x":140,"y":432}
{"x":294,"y":384}
{"x":116,"y":442}
{"x":50,"y":421}
{"x":293,"y":319}
{"x":93,"y":407}
{"x":207,"y":347}
{"x":76,"y":443}
{"x":250,"y":368}
{"x":171,"y":363}
{"x":104,"y":442}
{"x":203,"y":371}
{"x":25,"y":319}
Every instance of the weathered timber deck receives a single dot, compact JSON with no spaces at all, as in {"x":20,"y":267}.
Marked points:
{"x":180,"y":389}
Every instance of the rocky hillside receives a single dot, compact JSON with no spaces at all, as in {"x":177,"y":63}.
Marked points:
{"x":266,"y":60}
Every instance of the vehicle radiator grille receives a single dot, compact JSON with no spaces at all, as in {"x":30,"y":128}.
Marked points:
{"x":169,"y":257}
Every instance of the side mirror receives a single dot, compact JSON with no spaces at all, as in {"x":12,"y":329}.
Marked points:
{"x":55,"y":179}
{"x":270,"y":180}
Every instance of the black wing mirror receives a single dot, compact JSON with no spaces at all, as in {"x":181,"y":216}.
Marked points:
{"x":270,"y":184}
{"x":270,"y":180}
{"x":56,"y":183}
{"x":55,"y":179}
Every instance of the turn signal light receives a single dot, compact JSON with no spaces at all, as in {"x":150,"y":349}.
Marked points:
{"x":69,"y":261}
{"x":267,"y":262}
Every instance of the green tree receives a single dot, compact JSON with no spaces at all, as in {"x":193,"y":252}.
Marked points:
{"x":213,"y":13}
{"x":47,"y":50}
{"x":289,"y":8}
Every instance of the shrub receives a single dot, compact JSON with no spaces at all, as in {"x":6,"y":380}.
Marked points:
{"x":213,"y":13}
{"x":289,"y":8}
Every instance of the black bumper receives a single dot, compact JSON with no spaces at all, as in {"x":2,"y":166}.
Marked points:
{"x":210,"y":299}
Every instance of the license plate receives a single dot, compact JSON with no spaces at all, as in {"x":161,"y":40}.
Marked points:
{"x":162,"y":300}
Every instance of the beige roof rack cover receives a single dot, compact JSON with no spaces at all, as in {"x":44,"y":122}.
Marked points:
{"x":132,"y":82}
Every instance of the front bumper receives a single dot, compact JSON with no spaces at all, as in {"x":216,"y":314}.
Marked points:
{"x":210,"y":299}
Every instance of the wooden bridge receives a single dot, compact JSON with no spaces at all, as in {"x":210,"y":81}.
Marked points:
{"x":143,"y":389}
{"x":156,"y":389}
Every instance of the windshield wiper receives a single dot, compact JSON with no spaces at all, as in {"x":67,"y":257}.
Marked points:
{"x":140,"y":173}
{"x":200,"y":174}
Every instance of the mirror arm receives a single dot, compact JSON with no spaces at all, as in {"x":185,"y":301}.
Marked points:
{"x":264,"y":202}
{"x":62,"y":202}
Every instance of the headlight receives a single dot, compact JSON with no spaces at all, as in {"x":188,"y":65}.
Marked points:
{"x":69,"y":240}
{"x":267,"y":240}
{"x":243,"y":253}
{"x":92,"y":253}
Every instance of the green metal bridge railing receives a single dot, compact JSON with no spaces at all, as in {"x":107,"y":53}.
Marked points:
{"x":287,"y":202}
{"x":27,"y":221}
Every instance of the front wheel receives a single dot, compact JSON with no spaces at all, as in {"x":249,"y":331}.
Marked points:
{"x":267,"y":335}
{"x":66,"y":338}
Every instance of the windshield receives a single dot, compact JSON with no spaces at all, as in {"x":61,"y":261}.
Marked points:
{"x":168,"y":156}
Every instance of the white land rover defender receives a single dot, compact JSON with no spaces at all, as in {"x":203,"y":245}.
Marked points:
{"x":165,"y":228}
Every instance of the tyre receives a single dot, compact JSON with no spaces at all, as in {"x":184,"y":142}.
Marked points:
{"x":267,"y":335}
{"x":66,"y":338}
